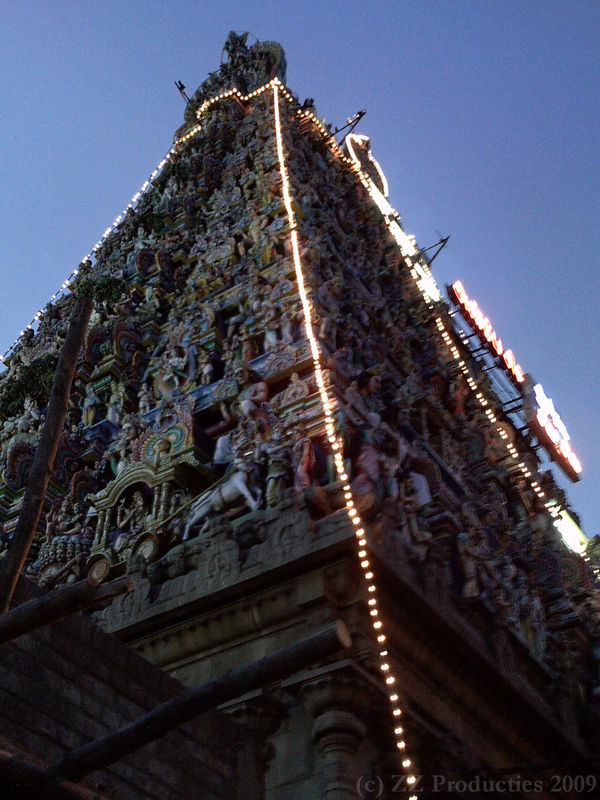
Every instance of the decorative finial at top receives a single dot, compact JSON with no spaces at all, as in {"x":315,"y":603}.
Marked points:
{"x":235,"y":47}
{"x":246,"y":68}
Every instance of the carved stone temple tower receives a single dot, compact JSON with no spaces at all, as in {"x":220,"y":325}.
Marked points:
{"x":277,"y":421}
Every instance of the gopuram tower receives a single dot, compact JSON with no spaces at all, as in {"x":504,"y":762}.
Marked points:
{"x":277,"y":421}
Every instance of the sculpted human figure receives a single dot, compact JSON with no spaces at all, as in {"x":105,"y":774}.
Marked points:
{"x":393,"y":451}
{"x":296,"y":389}
{"x":90,"y":405}
{"x":248,"y":344}
{"x":175,"y":519}
{"x":141,"y":242}
{"x":253,"y":392}
{"x":277,"y":454}
{"x":30,"y":417}
{"x":467,"y":564}
{"x":172,"y":370}
{"x":537,"y":624}
{"x":168,"y":200}
{"x":57,"y":519}
{"x":289,"y":321}
{"x":341,"y":361}
{"x":271,"y":327}
{"x":116,"y":402}
{"x":419,"y":535}
{"x":151,"y":303}
{"x":205,"y":368}
{"x":130,"y":519}
{"x":145,"y":399}
{"x":303,"y":458}
{"x":123,"y":449}
{"x":366,"y":468}
{"x":361,"y":396}
{"x":71,"y":524}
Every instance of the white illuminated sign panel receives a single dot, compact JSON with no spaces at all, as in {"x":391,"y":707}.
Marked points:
{"x":554,"y":428}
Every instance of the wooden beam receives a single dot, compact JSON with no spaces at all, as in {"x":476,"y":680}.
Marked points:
{"x":41,"y":611}
{"x":45,"y":452}
{"x":200,"y":698}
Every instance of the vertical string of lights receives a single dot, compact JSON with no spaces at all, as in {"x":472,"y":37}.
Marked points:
{"x":327,"y":404}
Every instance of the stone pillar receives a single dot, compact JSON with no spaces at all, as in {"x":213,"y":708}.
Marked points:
{"x":165,"y":496}
{"x":106,"y":526}
{"x":335,"y":703}
{"x":262,"y":716}
{"x":99,"y":533}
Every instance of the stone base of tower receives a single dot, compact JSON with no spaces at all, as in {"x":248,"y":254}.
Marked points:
{"x":70,"y":683}
{"x":475,"y":700}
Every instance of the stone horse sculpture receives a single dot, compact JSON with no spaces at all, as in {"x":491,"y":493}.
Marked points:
{"x":238,"y":485}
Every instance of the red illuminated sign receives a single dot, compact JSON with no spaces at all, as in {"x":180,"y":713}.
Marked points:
{"x":478,"y":319}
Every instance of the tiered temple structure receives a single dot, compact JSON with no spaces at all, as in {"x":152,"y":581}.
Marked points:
{"x":276,"y":421}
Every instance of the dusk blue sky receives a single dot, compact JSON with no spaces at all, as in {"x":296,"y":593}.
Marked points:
{"x":483,"y":115}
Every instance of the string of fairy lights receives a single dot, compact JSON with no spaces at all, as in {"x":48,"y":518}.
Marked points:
{"x":336,"y":446}
{"x":113,"y":228}
{"x":146,"y":186}
{"x":425,"y":281}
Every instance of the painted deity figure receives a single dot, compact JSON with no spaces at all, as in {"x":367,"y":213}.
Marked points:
{"x":130,"y":519}
{"x":123,"y":450}
{"x":271,"y":327}
{"x":362,"y":398}
{"x":90,"y":405}
{"x":116,"y":402}
{"x":277,"y":455}
{"x":206,"y":368}
{"x":30,"y":417}
{"x":303,"y":459}
{"x":253,"y":392}
{"x":171,"y":371}
{"x":141,"y":242}
{"x":145,"y":399}
{"x":467,"y":565}
{"x":296,"y":390}
{"x":419,"y":536}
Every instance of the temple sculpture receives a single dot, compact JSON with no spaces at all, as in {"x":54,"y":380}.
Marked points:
{"x":273,"y":363}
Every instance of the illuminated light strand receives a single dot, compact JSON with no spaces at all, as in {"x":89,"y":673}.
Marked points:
{"x":353,"y":515}
{"x":88,"y":257}
{"x":136,"y":197}
{"x":351,"y":138}
{"x":420,"y":270}
{"x":510,"y":362}
{"x":562,"y":522}
{"x":234,"y":91}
